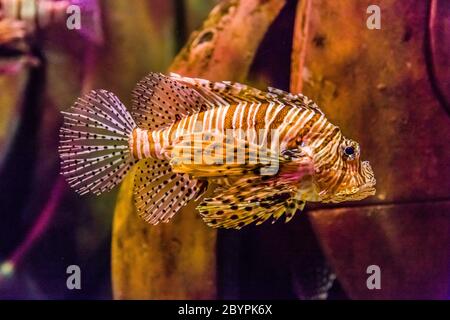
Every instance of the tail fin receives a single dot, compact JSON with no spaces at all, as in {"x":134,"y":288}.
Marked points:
{"x":94,"y":150}
{"x":91,"y":20}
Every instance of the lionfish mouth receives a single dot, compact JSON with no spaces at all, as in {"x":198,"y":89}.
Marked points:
{"x":356,"y":192}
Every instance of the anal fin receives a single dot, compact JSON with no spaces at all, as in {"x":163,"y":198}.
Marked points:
{"x":160,"y":192}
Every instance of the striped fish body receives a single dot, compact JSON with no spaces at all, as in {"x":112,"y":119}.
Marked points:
{"x":269,"y":152}
{"x":253,"y":123}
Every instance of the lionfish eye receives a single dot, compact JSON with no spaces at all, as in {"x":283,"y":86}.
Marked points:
{"x":349,"y":151}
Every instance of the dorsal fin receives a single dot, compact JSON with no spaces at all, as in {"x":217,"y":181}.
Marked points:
{"x":236,"y":91}
{"x":232,"y":92}
{"x":159,"y":100}
{"x":297,"y":100}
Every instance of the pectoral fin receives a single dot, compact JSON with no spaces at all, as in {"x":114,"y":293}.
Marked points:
{"x":250,"y":200}
{"x":209,"y":155}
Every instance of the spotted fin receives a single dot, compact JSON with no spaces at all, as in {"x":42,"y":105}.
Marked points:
{"x":230,"y":92}
{"x":160,"y":193}
{"x":296,"y":100}
{"x":234,"y":92}
{"x":250,"y":200}
{"x":159,"y":101}
{"x":207,"y":155}
{"x":94,"y":150}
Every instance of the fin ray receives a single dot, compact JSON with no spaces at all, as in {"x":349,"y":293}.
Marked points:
{"x":160,"y":193}
{"x":239,"y":92}
{"x":93,"y":146}
{"x":159,"y":100}
{"x":249,"y":200}
{"x":209,"y":154}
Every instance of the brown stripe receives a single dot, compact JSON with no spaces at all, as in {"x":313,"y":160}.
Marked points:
{"x":151,"y":145}
{"x":328,"y":165}
{"x":307,"y":127}
{"x":134,"y":151}
{"x":260,"y":118}
{"x":200,"y":118}
{"x":174,"y":130}
{"x":229,"y":117}
{"x":327,"y":140}
{"x":279,"y":118}
{"x":244,"y":116}
{"x":213,"y":116}
{"x":342,"y":175}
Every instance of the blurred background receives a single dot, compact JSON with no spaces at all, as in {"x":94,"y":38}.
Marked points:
{"x":386,"y":88}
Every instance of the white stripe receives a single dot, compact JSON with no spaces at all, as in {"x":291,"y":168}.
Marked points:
{"x":155,"y":136}
{"x":240,"y":126}
{"x":192,"y":122}
{"x":218,"y":115}
{"x":304,"y":117}
{"x":326,"y":131}
{"x":181,"y":128}
{"x":331,"y":149}
{"x":166,"y":135}
{"x":269,"y":122}
{"x":288,"y":119}
{"x":205,"y":118}
{"x":223,"y":114}
{"x":315,"y":129}
{"x":138,"y":143}
{"x":146,"y":144}
{"x":241,"y":119}
{"x":235,"y":116}
{"x":251,"y":132}
{"x":211,"y":118}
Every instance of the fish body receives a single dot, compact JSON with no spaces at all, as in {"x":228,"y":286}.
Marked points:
{"x":267,"y":153}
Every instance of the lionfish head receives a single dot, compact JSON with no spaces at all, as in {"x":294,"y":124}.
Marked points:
{"x":348,"y":178}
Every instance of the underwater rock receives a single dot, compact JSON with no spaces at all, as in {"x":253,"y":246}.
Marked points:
{"x":408,"y":242}
{"x":376,"y":85}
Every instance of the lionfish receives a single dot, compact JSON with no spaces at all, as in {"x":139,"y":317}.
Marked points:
{"x":21,"y":20}
{"x":266,"y":153}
